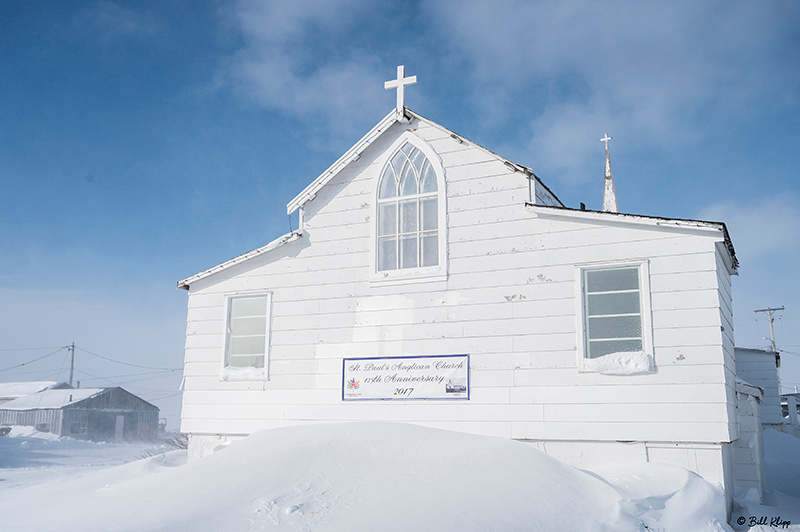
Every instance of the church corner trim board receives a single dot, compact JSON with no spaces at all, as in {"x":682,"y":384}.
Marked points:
{"x":434,"y":377}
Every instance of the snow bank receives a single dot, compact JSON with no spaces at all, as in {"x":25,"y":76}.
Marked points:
{"x":366,"y":476}
{"x":625,"y":363}
{"x":22,"y":431}
{"x":782,"y":462}
{"x":667,"y":497}
{"x":781,"y":503}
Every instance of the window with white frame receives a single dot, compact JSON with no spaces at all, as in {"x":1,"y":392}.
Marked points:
{"x":408,"y":212}
{"x":247,"y":344}
{"x":613,"y":310}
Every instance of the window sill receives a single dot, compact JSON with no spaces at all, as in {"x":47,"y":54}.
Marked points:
{"x":620,"y":364}
{"x":230,"y":373}
{"x":409,"y":276}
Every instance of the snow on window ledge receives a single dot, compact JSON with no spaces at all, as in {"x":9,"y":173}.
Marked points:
{"x":231,"y":373}
{"x":624,"y":363}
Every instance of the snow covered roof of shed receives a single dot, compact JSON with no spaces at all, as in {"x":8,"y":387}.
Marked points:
{"x":756,"y":351}
{"x":13,"y":390}
{"x":51,"y":399}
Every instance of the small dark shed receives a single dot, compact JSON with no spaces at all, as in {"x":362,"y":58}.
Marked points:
{"x":96,"y":414}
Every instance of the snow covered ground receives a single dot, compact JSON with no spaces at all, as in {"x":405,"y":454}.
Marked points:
{"x":782,"y":502}
{"x":28,"y":457}
{"x":363,"y":476}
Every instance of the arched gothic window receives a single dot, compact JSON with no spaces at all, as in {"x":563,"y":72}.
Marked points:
{"x":408,"y":214}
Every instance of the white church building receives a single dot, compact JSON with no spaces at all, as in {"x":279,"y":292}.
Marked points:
{"x":434,"y":282}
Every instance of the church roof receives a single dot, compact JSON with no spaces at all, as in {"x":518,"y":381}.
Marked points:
{"x":278,"y":242}
{"x":652,"y":220}
{"x":351,"y":155}
{"x":354,"y":153}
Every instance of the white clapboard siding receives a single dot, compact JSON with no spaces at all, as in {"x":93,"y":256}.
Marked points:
{"x":484,"y":184}
{"x":678,"y":319}
{"x":667,"y":374}
{"x":707,"y":298}
{"x":603,"y":430}
{"x":609,"y":394}
{"x":487,"y":200}
{"x":685,"y":355}
{"x":509,"y":301}
{"x":759,"y":368}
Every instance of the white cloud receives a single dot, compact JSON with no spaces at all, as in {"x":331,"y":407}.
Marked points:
{"x":657,"y":73}
{"x":296,"y":59}
{"x":763,"y":229}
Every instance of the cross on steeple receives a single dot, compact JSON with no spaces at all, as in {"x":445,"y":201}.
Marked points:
{"x":400,"y":84}
{"x":606,"y":139}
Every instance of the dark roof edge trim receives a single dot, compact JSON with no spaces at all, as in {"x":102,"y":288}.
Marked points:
{"x":720,"y":225}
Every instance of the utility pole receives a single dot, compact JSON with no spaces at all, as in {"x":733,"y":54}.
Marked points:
{"x":72,"y":361}
{"x":769,"y":312}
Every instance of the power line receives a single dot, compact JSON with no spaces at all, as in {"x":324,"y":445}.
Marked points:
{"x":124,"y":363}
{"x":166,"y":396}
{"x":62,"y":368}
{"x":34,"y":372}
{"x":49,"y":377}
{"x":127,"y":382}
{"x":27,"y":348}
{"x":32,"y":361}
{"x":139,"y":388}
{"x":164,"y":372}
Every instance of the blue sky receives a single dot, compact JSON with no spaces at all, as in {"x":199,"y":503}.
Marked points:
{"x":142,"y":142}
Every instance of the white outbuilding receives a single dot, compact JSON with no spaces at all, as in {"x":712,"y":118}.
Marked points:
{"x":434,"y":282}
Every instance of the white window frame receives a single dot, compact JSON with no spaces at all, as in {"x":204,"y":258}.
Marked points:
{"x":644,"y":301}
{"x":228,"y":372}
{"x":424,"y":273}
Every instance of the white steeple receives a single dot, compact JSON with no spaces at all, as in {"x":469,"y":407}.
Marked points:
{"x":609,"y":194}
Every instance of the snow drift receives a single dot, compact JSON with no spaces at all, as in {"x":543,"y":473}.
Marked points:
{"x":368,"y":476}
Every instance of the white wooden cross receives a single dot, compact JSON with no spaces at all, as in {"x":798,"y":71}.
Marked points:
{"x":400,"y":84}
{"x":606,"y":139}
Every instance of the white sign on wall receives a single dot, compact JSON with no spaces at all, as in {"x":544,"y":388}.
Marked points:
{"x":426,"y":377}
